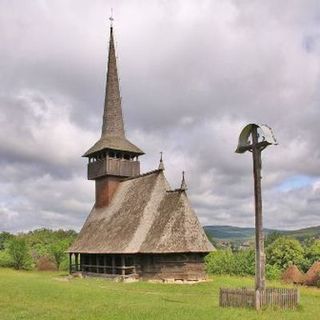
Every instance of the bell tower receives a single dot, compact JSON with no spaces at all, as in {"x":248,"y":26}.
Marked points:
{"x":112,"y":158}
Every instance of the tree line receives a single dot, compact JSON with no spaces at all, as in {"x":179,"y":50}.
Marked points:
{"x":30,"y":250}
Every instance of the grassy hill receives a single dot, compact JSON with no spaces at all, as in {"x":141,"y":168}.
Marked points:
{"x":230,"y":233}
{"x":53,"y":296}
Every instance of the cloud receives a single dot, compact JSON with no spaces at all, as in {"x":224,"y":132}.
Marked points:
{"x":192,"y":75}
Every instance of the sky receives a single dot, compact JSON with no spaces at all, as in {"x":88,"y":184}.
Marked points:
{"x":192,"y":75}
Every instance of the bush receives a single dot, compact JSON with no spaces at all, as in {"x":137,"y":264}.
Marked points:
{"x":5,"y":259}
{"x":220,"y":262}
{"x":5,"y":237}
{"x":58,"y":251}
{"x":284,"y":252}
{"x":64,"y":266}
{"x":273,"y":272}
{"x":244,"y":263}
{"x":241,"y":263}
{"x":18,"y":251}
{"x":313,"y":252}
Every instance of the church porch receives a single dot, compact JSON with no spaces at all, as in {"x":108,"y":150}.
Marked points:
{"x":104,"y":265}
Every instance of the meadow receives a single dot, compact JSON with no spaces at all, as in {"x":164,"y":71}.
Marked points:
{"x":51,"y":295}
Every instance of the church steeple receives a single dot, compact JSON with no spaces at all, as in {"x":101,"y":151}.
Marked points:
{"x":113,"y":134}
{"x":113,"y":157}
{"x":112,"y":116}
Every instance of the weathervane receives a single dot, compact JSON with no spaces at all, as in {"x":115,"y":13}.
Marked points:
{"x":255,"y":138}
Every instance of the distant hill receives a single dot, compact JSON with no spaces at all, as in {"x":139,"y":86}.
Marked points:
{"x":230,"y":233}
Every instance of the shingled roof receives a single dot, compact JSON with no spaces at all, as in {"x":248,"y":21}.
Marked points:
{"x":144,"y":216}
{"x":114,"y":143}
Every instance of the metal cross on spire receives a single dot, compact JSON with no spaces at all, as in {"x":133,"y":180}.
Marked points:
{"x":161,"y":165}
{"x":111,"y":17}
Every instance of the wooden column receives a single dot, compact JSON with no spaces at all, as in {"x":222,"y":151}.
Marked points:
{"x":260,"y":256}
{"x":90,"y":262}
{"x":134,"y":271}
{"x":113,"y":265}
{"x":97,"y":263}
{"x":77,"y":261}
{"x":70,"y":263}
{"x":104,"y":263}
{"x":123,"y":264}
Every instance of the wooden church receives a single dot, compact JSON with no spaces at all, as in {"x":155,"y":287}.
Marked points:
{"x":138,"y":227}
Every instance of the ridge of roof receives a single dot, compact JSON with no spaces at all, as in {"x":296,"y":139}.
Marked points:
{"x":144,"y":174}
{"x":176,"y":190}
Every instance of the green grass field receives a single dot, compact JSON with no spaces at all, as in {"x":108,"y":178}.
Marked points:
{"x":44,"y":295}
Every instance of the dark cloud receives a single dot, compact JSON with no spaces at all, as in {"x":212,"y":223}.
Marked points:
{"x":192,"y":75}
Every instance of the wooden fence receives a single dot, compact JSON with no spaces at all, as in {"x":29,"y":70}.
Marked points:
{"x":286,"y":298}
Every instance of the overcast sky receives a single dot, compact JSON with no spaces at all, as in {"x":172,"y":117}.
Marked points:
{"x":192,"y":74}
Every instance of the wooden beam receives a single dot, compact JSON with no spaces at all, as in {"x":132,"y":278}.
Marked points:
{"x":260,"y":256}
{"x":113,"y":265}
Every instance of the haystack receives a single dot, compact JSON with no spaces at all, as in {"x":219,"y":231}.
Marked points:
{"x":46,"y":264}
{"x":313,"y":275}
{"x":293,"y":275}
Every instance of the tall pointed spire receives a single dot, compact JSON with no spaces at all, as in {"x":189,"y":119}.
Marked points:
{"x":113,"y":134}
{"x":112,"y":116}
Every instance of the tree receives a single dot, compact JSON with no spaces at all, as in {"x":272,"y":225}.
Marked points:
{"x":4,"y":238}
{"x":18,"y":251}
{"x":313,"y":252}
{"x":271,"y":237}
{"x":58,"y":251}
{"x":285,"y":251}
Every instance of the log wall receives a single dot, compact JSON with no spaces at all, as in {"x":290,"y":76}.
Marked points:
{"x":176,"y":266}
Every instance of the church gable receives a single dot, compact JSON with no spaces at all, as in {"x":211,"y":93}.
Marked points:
{"x":176,"y":228}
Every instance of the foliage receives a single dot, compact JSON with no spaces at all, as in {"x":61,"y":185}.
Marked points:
{"x":18,"y":251}
{"x":313,"y":252}
{"x":272,"y":237}
{"x":273,"y":272}
{"x":27,"y":248}
{"x":285,"y":251}
{"x":220,"y":262}
{"x":58,"y":251}
{"x":41,"y":241}
{"x":244,"y":263}
{"x":4,"y":239}
{"x":5,"y":259}
{"x":64,"y":265}
{"x":226,"y":262}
